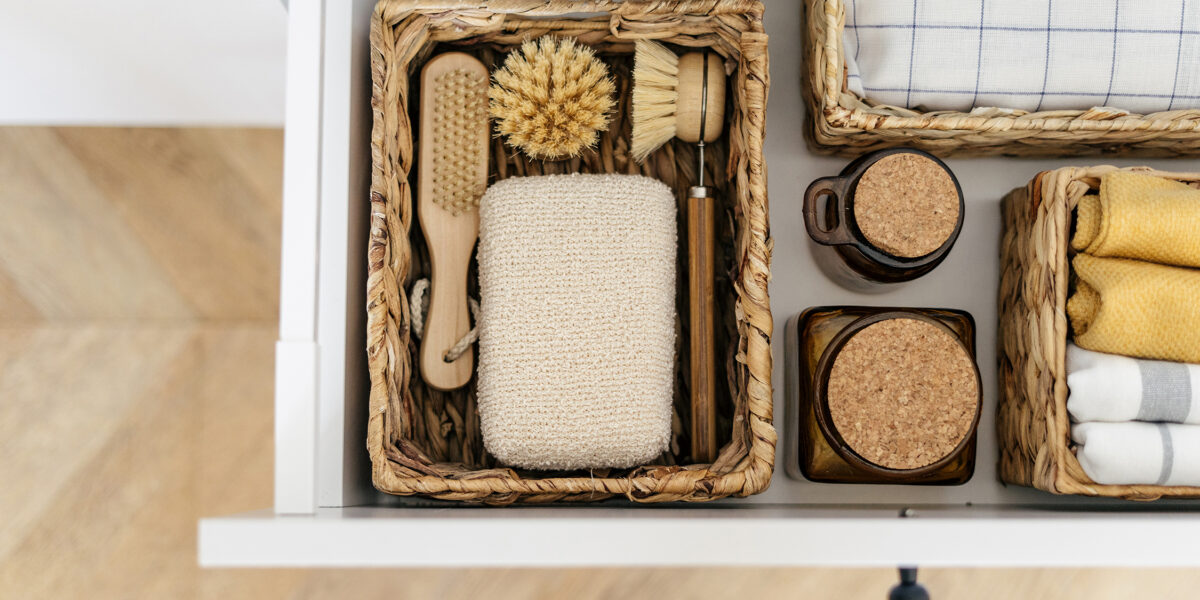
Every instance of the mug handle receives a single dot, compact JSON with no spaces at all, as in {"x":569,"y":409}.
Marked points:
{"x":835,"y":188}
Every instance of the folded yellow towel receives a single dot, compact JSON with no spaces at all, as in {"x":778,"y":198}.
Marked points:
{"x":1140,"y":216}
{"x":1136,"y":308}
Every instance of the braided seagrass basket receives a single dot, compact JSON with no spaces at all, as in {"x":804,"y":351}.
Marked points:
{"x":1033,"y":424}
{"x":426,"y":442}
{"x":840,"y":122}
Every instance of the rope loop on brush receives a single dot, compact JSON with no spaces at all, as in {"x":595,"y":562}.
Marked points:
{"x":418,"y":304}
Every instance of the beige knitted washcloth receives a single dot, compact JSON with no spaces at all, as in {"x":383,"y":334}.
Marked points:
{"x":576,"y":320}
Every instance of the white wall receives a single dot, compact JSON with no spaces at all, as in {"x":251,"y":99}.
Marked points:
{"x":142,"y":62}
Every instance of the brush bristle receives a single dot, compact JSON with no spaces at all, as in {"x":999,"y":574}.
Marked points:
{"x":460,"y":128}
{"x":655,"y":94}
{"x":552,"y":98}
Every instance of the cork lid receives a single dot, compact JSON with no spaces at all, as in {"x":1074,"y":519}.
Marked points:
{"x":906,"y":205}
{"x":903,"y":393}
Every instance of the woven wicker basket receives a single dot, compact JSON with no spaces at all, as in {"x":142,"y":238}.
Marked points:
{"x":840,"y":122}
{"x":1033,"y":425}
{"x":426,"y":442}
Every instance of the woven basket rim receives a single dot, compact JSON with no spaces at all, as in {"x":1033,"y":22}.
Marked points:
{"x":627,"y":20}
{"x":552,"y":8}
{"x":837,"y":112}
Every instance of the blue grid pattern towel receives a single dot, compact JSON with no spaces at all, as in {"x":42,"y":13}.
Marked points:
{"x":1139,"y":55}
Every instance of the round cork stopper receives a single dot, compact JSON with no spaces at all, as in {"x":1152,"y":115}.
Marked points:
{"x":906,"y":205}
{"x":903,"y":393}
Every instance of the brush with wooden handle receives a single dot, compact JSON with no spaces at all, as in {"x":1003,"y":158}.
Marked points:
{"x":684,"y":97}
{"x":452,"y":177}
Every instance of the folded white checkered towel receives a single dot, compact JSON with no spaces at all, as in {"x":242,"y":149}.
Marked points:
{"x":1108,"y":387}
{"x":1138,"y":55}
{"x":1139,"y":453}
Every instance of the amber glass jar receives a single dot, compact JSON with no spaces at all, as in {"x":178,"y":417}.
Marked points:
{"x":886,"y":448}
{"x":890,"y":216}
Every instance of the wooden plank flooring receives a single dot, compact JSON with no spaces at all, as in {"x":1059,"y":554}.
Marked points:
{"x":138,"y":305}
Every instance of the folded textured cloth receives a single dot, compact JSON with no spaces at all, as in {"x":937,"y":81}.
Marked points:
{"x":1136,"y":308}
{"x":1112,"y":388}
{"x":1139,"y":453}
{"x":1140,"y":216}
{"x":1024,"y":54}
{"x":576,"y":320}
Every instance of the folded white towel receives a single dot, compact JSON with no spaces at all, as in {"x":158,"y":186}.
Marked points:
{"x":1141,"y":56}
{"x":1108,"y":387}
{"x":1139,"y":453}
{"x":576,"y":320}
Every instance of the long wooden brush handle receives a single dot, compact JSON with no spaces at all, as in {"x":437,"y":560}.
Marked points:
{"x":701,"y":214}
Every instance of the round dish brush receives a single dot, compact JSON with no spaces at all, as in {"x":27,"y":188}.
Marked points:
{"x":684,"y":97}
{"x":675,"y":96}
{"x":552,"y":98}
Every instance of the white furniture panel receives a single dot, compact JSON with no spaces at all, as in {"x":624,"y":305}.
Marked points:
{"x":795,"y":522}
{"x":143,"y":62}
{"x":680,"y":537}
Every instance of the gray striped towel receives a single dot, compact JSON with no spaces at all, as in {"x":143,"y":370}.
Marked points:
{"x":1112,"y":388}
{"x":1139,"y":453}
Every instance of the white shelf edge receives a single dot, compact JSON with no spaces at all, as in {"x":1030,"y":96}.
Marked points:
{"x":341,"y":314}
{"x":525,"y":537}
{"x":296,"y":352}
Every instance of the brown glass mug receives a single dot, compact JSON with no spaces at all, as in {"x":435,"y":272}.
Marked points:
{"x":841,"y":250}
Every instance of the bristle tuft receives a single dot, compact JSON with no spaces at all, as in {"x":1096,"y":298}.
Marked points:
{"x":460,"y":128}
{"x":655,"y":94}
{"x":552,"y":98}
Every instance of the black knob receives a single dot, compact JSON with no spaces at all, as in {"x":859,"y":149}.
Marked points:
{"x":908,"y":588}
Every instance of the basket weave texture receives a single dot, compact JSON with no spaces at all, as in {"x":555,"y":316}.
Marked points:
{"x":425,"y":442}
{"x":840,"y":122}
{"x":1032,"y":423}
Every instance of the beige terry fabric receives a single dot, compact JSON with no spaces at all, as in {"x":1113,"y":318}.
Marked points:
{"x":1142,"y":217}
{"x":1135,"y":308}
{"x":577,"y":320}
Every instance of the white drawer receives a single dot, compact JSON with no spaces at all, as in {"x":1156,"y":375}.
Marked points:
{"x":327,"y":513}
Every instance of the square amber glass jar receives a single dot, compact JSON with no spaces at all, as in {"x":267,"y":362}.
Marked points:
{"x":828,"y":460}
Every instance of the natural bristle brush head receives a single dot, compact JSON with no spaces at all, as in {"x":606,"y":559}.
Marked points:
{"x":655,"y":94}
{"x":459,"y":123}
{"x":670,"y":99}
{"x":552,"y":98}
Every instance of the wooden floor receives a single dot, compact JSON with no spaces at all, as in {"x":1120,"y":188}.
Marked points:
{"x":138,"y":295}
